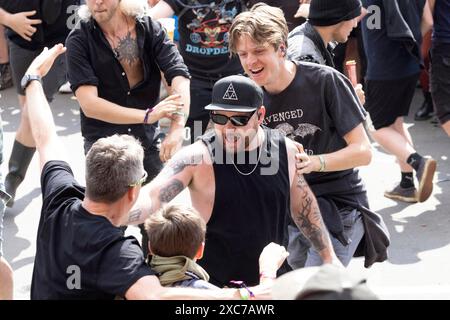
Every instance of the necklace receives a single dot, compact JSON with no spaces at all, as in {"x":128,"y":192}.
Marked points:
{"x":254,"y":168}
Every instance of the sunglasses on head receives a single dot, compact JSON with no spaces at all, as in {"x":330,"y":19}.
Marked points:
{"x":238,"y":120}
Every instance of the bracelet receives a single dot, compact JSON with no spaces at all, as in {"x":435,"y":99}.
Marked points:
{"x":147,"y":113}
{"x":322,"y":163}
{"x":246,"y":294}
{"x":244,"y":291}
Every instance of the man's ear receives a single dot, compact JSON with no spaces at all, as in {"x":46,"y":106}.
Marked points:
{"x":200,"y":251}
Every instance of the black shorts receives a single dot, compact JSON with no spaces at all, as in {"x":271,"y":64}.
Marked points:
{"x":440,"y":81}
{"x":386,"y":100}
{"x":20,"y":59}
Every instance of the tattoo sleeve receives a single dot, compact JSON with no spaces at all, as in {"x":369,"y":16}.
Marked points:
{"x":134,"y":216}
{"x":170,"y":191}
{"x":309,"y":219}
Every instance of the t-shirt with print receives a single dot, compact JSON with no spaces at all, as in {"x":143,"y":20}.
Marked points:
{"x":80,"y":255}
{"x":317,"y":109}
{"x":203,"y":28}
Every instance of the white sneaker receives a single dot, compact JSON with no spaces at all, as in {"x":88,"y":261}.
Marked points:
{"x":65,"y":88}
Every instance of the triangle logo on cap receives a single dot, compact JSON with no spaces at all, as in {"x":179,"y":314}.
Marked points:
{"x":230,"y":94}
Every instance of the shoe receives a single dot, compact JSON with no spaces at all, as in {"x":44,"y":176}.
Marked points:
{"x":5,"y":76}
{"x":402,"y":194}
{"x":65,"y":88}
{"x":425,"y":112}
{"x":18,"y":164}
{"x":425,"y":175}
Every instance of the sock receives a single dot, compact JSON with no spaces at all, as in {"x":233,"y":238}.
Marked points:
{"x":407,"y":180}
{"x":414,"y":160}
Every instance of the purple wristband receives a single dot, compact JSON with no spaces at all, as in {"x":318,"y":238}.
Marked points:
{"x":147,"y":112}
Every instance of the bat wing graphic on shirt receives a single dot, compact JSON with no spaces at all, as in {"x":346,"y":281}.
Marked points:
{"x":285,"y":129}
{"x":306,"y":129}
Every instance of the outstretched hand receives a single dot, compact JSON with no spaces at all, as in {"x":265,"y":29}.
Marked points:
{"x":44,"y":61}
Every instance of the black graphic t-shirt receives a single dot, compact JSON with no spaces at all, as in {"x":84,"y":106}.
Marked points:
{"x":203,"y":27}
{"x":317,"y":109}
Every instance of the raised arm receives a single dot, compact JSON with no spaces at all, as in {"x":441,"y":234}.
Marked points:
{"x":305,"y":211}
{"x":177,"y":174}
{"x":161,"y":10}
{"x":41,"y":119}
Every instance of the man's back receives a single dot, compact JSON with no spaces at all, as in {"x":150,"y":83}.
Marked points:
{"x":78,"y":254}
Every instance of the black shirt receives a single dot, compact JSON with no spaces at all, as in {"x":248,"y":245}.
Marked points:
{"x":203,"y":28}
{"x":251,"y":209}
{"x":46,"y":34}
{"x":91,"y":61}
{"x":71,"y":241}
{"x":317,"y":109}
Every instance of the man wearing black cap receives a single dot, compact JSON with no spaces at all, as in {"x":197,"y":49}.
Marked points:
{"x":330,"y":22}
{"x":241,"y":179}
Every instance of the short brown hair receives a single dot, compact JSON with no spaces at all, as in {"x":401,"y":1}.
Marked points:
{"x":175,"y":230}
{"x":262,"y":23}
{"x":112,"y":164}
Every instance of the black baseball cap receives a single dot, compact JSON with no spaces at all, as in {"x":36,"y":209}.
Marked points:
{"x":236,"y":93}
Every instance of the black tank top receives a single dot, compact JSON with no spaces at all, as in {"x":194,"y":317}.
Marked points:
{"x":249,"y":212}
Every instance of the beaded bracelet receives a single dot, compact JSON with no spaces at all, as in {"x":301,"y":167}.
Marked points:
{"x":147,"y":113}
{"x":244,"y":291}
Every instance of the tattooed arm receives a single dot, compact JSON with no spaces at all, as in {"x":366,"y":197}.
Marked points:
{"x":174,"y":178}
{"x":305,"y":211}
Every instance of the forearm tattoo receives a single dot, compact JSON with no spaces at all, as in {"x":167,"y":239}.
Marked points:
{"x":127,"y":49}
{"x":308,"y":218}
{"x":170,"y":191}
{"x":134,"y":215}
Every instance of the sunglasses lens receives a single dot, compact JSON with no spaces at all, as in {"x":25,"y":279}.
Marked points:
{"x":239,"y":120}
{"x":219,"y":119}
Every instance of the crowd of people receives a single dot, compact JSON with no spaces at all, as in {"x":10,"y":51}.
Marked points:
{"x":277,"y":128}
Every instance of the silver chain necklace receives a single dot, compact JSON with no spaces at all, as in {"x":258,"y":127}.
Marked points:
{"x":256,"y":165}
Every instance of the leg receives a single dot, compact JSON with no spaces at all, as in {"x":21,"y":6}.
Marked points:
{"x":5,"y":69}
{"x":353,"y":229}
{"x":24,"y":146}
{"x":396,"y":140}
{"x":298,"y":248}
{"x":440,"y":85}
{"x":426,"y":110}
{"x":6,"y":273}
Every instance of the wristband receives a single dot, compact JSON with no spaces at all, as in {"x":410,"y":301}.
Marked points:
{"x":147,"y":113}
{"x":322,"y":163}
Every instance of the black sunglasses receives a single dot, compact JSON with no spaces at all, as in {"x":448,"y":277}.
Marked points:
{"x":238,"y":121}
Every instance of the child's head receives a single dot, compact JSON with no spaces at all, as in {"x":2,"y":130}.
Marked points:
{"x":176,"y":230}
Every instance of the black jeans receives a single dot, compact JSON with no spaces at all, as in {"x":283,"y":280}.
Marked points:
{"x":440,"y":80}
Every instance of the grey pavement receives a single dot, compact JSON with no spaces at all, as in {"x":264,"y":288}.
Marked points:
{"x":419,"y":256}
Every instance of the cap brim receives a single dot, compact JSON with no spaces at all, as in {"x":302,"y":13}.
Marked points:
{"x":228,"y":107}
